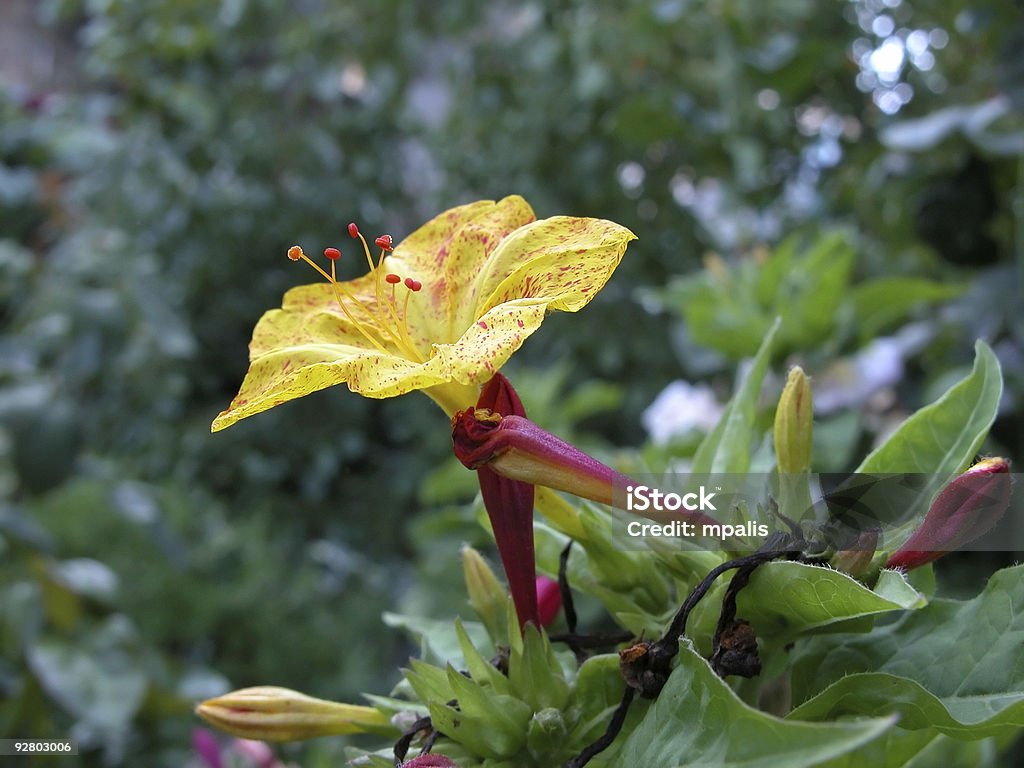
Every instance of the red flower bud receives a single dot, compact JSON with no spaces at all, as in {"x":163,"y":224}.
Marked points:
{"x":430,"y":761}
{"x":549,"y":600}
{"x":965,"y":509}
{"x":516,"y":448}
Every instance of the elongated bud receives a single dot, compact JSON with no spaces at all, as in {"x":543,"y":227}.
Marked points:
{"x":486,"y":594}
{"x":516,"y":448}
{"x":965,"y":509}
{"x":793,"y":424}
{"x":269,"y":713}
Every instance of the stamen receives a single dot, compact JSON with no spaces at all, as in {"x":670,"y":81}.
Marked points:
{"x":353,"y":230}
{"x":295,"y":253}
{"x":388,"y":324}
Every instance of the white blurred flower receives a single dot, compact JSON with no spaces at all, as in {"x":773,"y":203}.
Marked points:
{"x":852,"y":381}
{"x":679,"y":408}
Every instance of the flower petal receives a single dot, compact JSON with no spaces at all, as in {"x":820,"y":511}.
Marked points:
{"x":446,"y":255}
{"x":309,"y":345}
{"x":563,"y":261}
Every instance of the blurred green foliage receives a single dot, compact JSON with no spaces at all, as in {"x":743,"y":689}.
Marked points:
{"x":143,"y":219}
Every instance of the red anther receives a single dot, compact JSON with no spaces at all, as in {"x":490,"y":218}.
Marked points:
{"x":353,"y":230}
{"x":295,"y":253}
{"x":413,"y":285}
{"x":384,"y":241}
{"x":393,"y":279}
{"x":332,"y":253}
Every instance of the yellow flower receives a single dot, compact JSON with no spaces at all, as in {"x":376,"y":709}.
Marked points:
{"x":440,"y":313}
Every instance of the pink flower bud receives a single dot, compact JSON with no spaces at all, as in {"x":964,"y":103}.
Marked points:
{"x":430,"y":761}
{"x":965,"y":509}
{"x":516,"y":448}
{"x":549,"y":600}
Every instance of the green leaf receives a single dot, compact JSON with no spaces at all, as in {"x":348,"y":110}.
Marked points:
{"x":953,"y":666}
{"x":479,"y":668}
{"x":785,"y":599}
{"x":699,"y":720}
{"x":899,"y":748}
{"x":535,"y":673}
{"x":429,"y":682}
{"x":881,"y":304}
{"x":720,"y":310}
{"x":726,"y":449}
{"x":439,"y":640}
{"x":941,"y":439}
{"x":490,"y":724}
{"x":596,"y":693}
{"x":731,"y":308}
{"x":879,"y":694}
{"x":809,"y":295}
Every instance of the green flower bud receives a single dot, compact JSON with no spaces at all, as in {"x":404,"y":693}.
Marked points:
{"x":794,"y":424}
{"x":487,"y":596}
{"x":546,"y":734}
{"x":269,"y":713}
{"x":856,"y":559}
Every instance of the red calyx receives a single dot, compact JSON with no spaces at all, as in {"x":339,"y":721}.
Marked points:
{"x":509,"y":503}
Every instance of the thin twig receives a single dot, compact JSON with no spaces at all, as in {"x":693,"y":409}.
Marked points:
{"x":405,"y":740}
{"x":563,"y":586}
{"x":606,"y":739}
